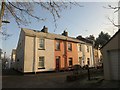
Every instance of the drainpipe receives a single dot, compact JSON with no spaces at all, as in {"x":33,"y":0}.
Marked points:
{"x":93,"y":53}
{"x":35,"y":54}
{"x":91,"y":57}
{"x":65,"y":52}
{"x":83,"y":54}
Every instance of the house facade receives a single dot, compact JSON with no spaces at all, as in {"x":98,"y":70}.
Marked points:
{"x":97,"y":57}
{"x":85,"y":52}
{"x":39,"y":51}
{"x":13,"y":56}
{"x":35,"y":52}
{"x":66,"y":54}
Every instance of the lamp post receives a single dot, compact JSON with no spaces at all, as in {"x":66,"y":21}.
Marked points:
{"x":4,"y":61}
{"x":88,"y":70}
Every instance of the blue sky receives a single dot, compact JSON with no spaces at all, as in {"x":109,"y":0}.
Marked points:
{"x":88,"y":20}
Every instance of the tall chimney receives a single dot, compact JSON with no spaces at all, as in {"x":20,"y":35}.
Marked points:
{"x":45,"y":29}
{"x":65,"y":33}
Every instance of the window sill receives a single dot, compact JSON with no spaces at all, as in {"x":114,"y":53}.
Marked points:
{"x":70,"y":66}
{"x":57,"y":50}
{"x":69,"y":50}
{"x":40,"y":49}
{"x":42,"y":68}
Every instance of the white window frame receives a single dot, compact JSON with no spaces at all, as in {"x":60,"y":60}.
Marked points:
{"x":87,"y":48}
{"x":70,"y":47}
{"x":41,"y":62}
{"x":41,"y":43}
{"x":57,"y":45}
{"x":80,"y":47}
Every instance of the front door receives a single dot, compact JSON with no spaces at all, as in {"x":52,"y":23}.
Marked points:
{"x":57,"y":63}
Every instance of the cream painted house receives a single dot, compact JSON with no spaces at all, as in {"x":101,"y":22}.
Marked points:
{"x":35,"y":52}
{"x":97,"y":57}
{"x":85,"y":52}
{"x":13,"y":56}
{"x":111,"y":58}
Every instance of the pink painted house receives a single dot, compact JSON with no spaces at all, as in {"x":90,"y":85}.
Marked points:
{"x":66,"y":53}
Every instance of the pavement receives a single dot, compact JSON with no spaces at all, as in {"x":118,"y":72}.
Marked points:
{"x":13,"y":79}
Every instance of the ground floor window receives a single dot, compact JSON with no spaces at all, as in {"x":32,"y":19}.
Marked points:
{"x":57,"y":63}
{"x":80,"y":60}
{"x":41,"y":62}
{"x":70,"y":61}
{"x":88,"y":61}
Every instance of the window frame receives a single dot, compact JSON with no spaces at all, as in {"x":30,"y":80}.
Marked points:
{"x":57,"y":44}
{"x":80,"y":47}
{"x":70,"y":47}
{"x":80,"y":59}
{"x":88,"y":61}
{"x":43,"y":44}
{"x":70,"y":59}
{"x":41,"y":61}
{"x":87,"y":48}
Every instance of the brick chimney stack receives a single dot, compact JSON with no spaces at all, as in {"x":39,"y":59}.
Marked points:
{"x":65,"y":33}
{"x":45,"y":29}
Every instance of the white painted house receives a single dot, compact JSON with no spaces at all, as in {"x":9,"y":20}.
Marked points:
{"x":13,"y":56}
{"x":85,"y":52}
{"x":31,"y":56}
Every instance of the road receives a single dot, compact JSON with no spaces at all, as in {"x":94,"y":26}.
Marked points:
{"x":50,"y":80}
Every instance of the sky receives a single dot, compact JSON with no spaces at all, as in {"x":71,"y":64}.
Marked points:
{"x":90,"y":19}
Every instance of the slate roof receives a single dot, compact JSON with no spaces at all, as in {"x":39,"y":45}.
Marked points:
{"x":31,"y":32}
{"x":111,"y":38}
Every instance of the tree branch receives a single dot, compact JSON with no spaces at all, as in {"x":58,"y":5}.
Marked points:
{"x":26,"y":11}
{"x":111,"y":7}
{"x":113,"y":22}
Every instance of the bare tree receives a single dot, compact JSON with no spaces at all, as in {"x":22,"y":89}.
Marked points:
{"x":22,"y":11}
{"x":116,"y":10}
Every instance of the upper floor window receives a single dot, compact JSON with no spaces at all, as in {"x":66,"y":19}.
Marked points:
{"x":87,"y":48}
{"x":80,"y":47}
{"x":42,"y":44}
{"x":41,"y":62}
{"x":70,"y":46}
{"x":57,"y":45}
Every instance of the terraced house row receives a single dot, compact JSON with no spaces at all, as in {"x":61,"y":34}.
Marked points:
{"x":39,"y":51}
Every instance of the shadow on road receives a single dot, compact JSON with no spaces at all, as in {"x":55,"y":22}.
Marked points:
{"x":10,"y":72}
